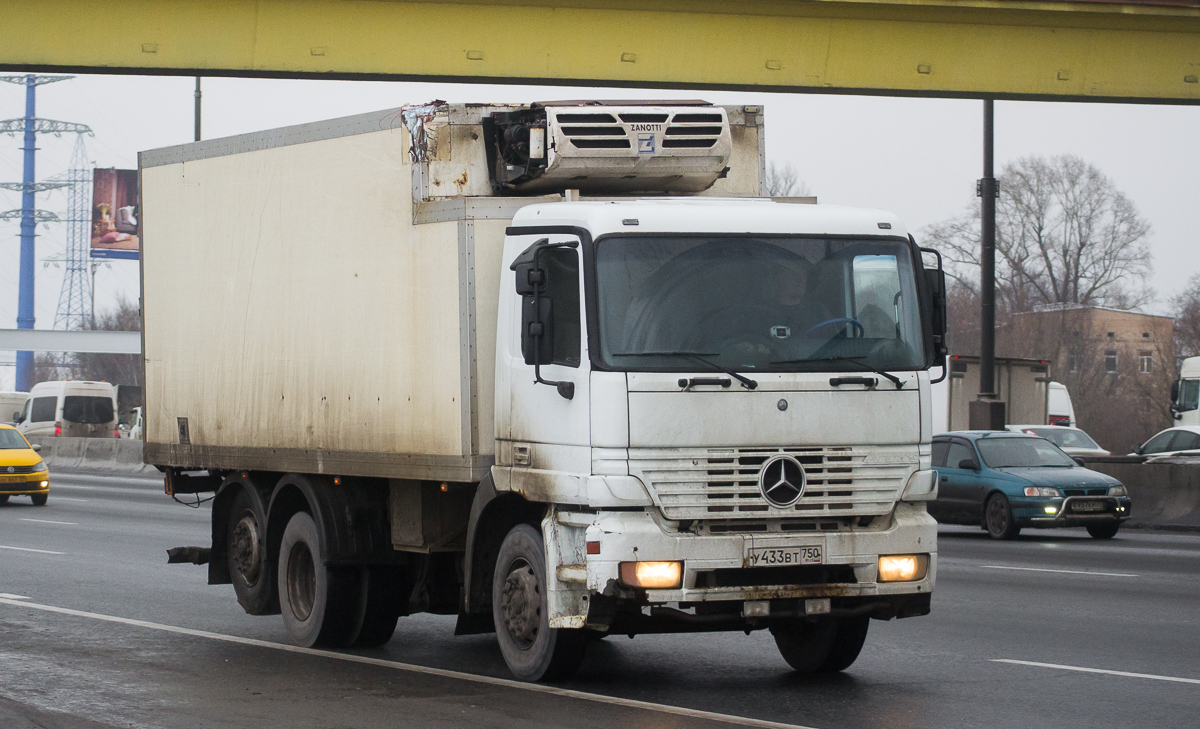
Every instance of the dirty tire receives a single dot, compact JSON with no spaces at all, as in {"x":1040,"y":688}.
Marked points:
{"x":316,"y":601}
{"x":532,"y":649}
{"x":998,"y":518}
{"x":39,"y":499}
{"x":1104,"y":531}
{"x":827,"y":646}
{"x":250,"y":570}
{"x":383,"y":598}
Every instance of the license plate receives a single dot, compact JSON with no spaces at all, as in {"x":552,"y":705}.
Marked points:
{"x":11,"y":479}
{"x":1087,"y":506}
{"x":783,"y":556}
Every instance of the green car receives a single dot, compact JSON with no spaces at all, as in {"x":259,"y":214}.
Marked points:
{"x":1005,"y":481}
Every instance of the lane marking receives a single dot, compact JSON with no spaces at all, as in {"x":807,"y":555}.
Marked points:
{"x":68,"y":498}
{"x":1080,"y":669}
{"x":1065,"y":572}
{"x":27,"y":549}
{"x":439,"y":672}
{"x":11,"y":596}
{"x":47,"y":521}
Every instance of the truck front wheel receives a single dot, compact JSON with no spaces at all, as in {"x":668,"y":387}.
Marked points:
{"x":532,"y":649}
{"x":318,"y":602}
{"x":828,"y":646}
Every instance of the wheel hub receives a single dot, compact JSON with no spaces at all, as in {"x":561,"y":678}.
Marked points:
{"x":522,"y":603}
{"x":244,"y":549}
{"x":301,"y":581}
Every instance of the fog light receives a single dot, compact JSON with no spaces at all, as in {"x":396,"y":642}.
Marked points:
{"x":45,"y":484}
{"x":903,"y":567}
{"x":1051,"y":509}
{"x":655,"y":575}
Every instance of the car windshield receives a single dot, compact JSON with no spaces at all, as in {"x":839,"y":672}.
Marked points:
{"x":763,"y":303}
{"x":87,"y":409}
{"x":1065,"y":437}
{"x":1021,"y":453}
{"x":10,"y":439}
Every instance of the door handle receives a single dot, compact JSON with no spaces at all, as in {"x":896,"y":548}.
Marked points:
{"x":945,"y":479}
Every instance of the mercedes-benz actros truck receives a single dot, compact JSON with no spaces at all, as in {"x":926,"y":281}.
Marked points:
{"x":557,"y":369}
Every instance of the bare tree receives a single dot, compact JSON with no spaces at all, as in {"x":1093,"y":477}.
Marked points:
{"x":1064,"y":235}
{"x":783,"y":181}
{"x":1185,"y":307}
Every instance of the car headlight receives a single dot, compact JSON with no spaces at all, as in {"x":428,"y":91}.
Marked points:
{"x":1041,"y":491}
{"x":39,"y":466}
{"x":1117,"y":490}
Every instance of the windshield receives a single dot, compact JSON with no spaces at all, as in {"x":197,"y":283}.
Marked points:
{"x":84,"y":409}
{"x":1065,"y":438}
{"x":757,"y":303}
{"x":1021,"y":453}
{"x":10,"y":439}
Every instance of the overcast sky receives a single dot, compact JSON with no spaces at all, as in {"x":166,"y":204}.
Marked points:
{"x":917,"y":157}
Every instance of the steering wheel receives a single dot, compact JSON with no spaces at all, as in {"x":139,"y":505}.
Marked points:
{"x":858,"y":327}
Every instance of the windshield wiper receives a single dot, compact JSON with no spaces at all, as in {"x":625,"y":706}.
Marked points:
{"x":852,"y":360}
{"x":747,"y":383}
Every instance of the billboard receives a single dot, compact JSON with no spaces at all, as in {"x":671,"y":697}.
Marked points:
{"x":115,"y":214}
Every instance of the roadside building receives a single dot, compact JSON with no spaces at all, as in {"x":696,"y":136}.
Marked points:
{"x":1118,"y":366}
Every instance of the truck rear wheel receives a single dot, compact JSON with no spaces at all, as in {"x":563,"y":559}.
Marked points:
{"x":250,"y":571}
{"x":381,"y":603}
{"x":828,"y":646}
{"x":318,"y":602}
{"x":532,"y":649}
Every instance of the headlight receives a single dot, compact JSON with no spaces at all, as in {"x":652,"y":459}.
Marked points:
{"x":1041,"y":491}
{"x":1117,"y":490}
{"x":653,"y":575}
{"x":903,"y":567}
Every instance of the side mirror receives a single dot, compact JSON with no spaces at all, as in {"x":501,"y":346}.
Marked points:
{"x":1136,"y":448}
{"x":37,"y":448}
{"x":967,"y":464}
{"x":1174,"y":393}
{"x":935,"y":279}
{"x":16,"y":417}
{"x":1080,"y":462}
{"x":537,"y":315}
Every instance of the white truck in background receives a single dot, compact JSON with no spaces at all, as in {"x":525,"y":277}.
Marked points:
{"x":422,"y":373}
{"x":1185,"y":393}
{"x":1023,"y":384}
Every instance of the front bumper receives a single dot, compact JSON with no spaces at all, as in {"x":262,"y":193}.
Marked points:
{"x":1032,"y":512}
{"x":24,"y":484}
{"x":850,"y":560}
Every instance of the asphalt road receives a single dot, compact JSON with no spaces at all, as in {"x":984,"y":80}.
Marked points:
{"x":1054,"y":630}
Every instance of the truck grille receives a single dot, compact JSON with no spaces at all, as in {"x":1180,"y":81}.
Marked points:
{"x":723,"y":483}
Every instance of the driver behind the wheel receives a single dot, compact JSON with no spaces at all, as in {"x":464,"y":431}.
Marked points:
{"x":790,"y":291}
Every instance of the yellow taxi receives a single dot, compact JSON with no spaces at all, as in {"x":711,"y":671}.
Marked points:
{"x":22,"y":470}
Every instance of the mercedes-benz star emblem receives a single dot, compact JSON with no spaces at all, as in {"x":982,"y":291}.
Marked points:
{"x":781,"y":481}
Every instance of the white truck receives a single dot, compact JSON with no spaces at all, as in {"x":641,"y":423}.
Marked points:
{"x":1023,"y":384}
{"x":1185,"y":393}
{"x":422,"y":372}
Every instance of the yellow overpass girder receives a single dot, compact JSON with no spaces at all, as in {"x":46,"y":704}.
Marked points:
{"x":960,"y":48}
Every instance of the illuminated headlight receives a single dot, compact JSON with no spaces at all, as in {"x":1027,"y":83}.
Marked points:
{"x":903,"y":567}
{"x":1117,"y":490}
{"x":1041,"y":491}
{"x":652,"y":575}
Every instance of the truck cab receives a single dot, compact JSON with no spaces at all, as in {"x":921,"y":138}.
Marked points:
{"x":1185,"y":393}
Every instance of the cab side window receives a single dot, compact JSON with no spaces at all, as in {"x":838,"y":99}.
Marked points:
{"x":43,"y":409}
{"x":562,"y":275}
{"x":959,"y":453}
